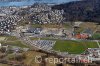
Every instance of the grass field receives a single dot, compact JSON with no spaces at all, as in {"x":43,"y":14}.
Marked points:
{"x":90,"y":25}
{"x":2,"y":38}
{"x":14,"y":43}
{"x":52,"y":25}
{"x":9,"y":38}
{"x":74,"y":47}
{"x":12,"y":40}
{"x":96,"y":36}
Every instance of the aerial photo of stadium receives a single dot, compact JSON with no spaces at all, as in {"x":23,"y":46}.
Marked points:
{"x":49,"y":32}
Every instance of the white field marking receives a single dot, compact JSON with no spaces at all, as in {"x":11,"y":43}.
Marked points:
{"x":98,"y":43}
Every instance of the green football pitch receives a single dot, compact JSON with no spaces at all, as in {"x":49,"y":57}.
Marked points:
{"x":73,"y":47}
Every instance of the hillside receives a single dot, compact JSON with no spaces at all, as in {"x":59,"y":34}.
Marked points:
{"x":85,"y":10}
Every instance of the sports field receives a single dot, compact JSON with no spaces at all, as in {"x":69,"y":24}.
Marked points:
{"x":71,"y":46}
{"x":74,"y":47}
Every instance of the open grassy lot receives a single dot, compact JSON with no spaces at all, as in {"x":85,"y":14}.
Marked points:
{"x":12,"y":40}
{"x":14,"y":43}
{"x":90,"y":25}
{"x":75,"y":47}
{"x":96,"y":36}
{"x":8,"y":38}
{"x":2,"y":38}
{"x":51,"y":25}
